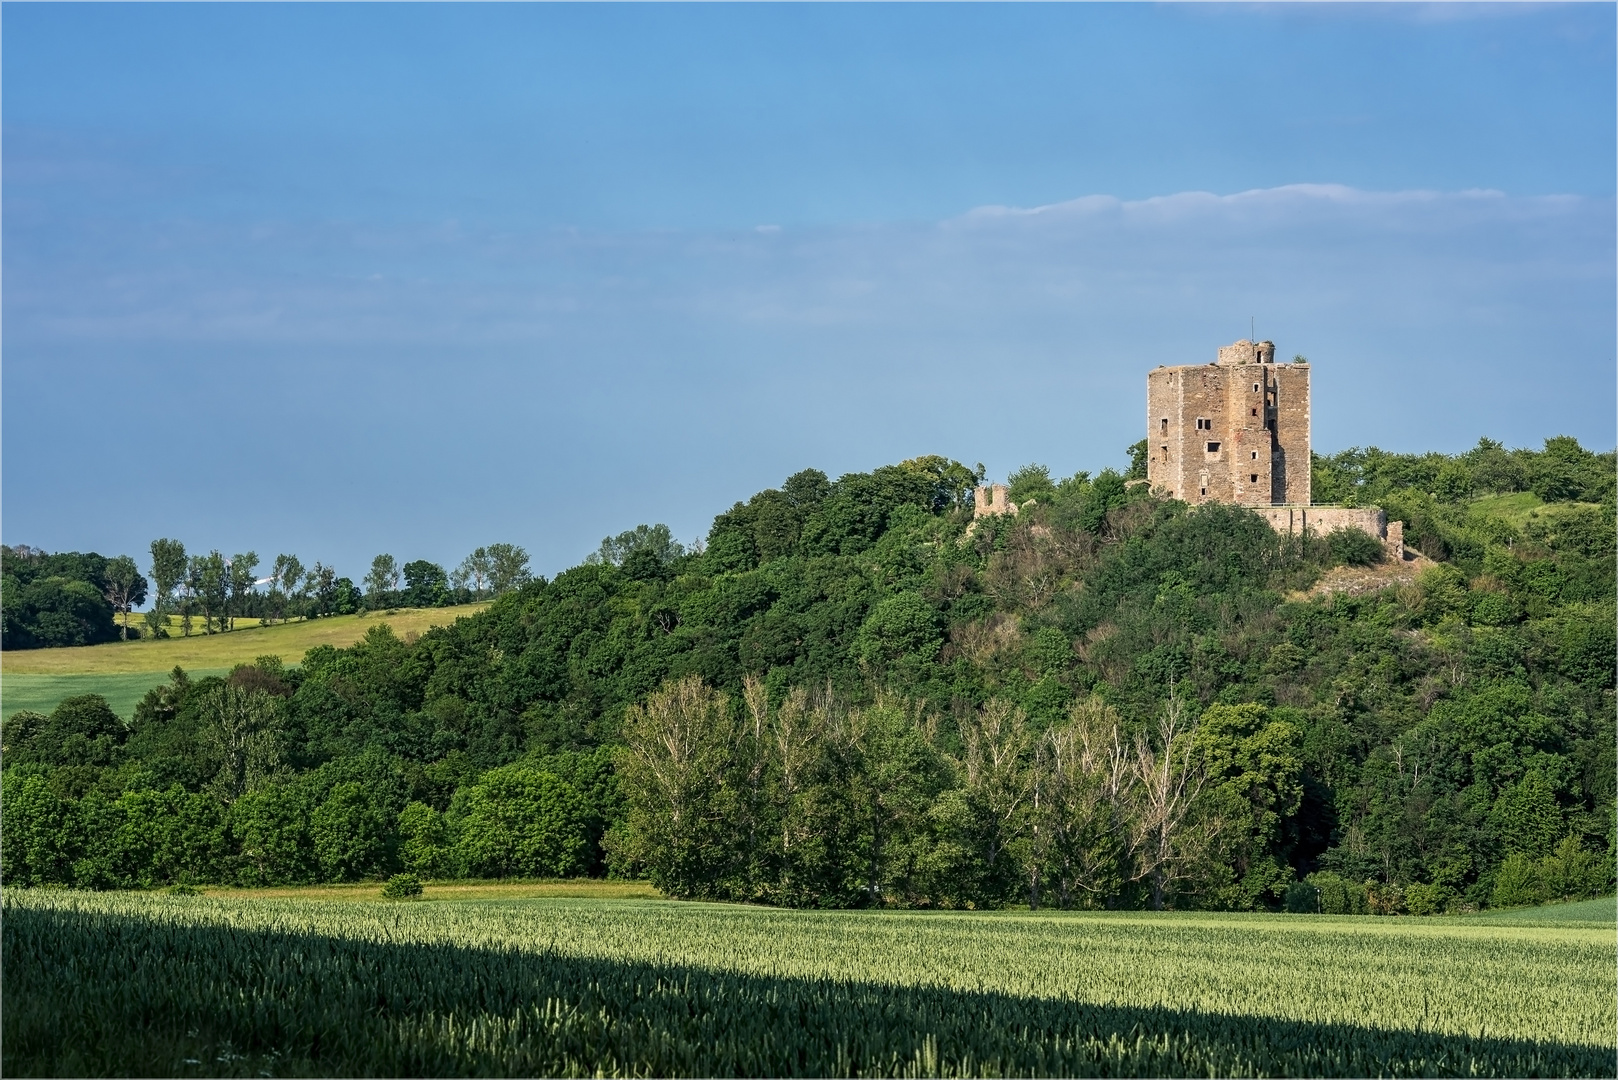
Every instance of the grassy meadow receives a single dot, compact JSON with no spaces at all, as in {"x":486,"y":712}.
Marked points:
{"x":1518,"y":507}
{"x":218,"y":985}
{"x":122,"y":671}
{"x":42,"y":693}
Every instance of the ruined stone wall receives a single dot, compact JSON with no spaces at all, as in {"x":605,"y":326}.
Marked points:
{"x":1252,"y":396}
{"x":1170,"y":440}
{"x":1325,"y":520}
{"x":991,"y":499}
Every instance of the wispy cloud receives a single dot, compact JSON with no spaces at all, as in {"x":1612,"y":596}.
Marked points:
{"x":1180,"y":258}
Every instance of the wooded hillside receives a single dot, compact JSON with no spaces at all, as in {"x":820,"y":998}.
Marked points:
{"x":855,"y":695}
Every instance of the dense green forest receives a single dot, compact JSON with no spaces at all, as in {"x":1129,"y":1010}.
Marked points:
{"x":854,"y":694}
{"x":63,"y":599}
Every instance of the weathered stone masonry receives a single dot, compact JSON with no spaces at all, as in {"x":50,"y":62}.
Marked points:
{"x":1234,"y":431}
{"x":989,"y":500}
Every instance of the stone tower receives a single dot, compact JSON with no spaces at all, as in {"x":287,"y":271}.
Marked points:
{"x":1234,"y":431}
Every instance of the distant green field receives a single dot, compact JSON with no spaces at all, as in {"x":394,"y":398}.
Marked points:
{"x":143,"y":984}
{"x":122,"y":671}
{"x":1603,"y":910}
{"x":41,"y":693}
{"x":207,"y":652}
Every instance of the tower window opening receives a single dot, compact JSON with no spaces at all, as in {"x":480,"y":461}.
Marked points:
{"x":1255,"y":388}
{"x":1255,"y":455}
{"x":1255,"y":412}
{"x":1205,"y":491}
{"x":1165,"y":425}
{"x":1252,"y":478}
{"x":1213,"y":448}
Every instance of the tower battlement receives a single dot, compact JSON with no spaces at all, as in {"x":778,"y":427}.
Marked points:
{"x":1246,"y":352}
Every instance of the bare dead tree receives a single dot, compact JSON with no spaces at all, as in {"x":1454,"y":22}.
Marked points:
{"x":793,"y":733}
{"x":1165,"y":779}
{"x":997,"y":744}
{"x":1082,"y":767}
{"x":674,"y":743}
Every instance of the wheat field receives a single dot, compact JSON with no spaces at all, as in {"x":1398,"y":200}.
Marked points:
{"x":157,"y":985}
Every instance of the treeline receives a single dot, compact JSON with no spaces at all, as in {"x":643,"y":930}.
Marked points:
{"x":75,"y":598}
{"x":70,"y":598}
{"x":813,"y":802}
{"x":200,"y":788}
{"x":853,"y":693}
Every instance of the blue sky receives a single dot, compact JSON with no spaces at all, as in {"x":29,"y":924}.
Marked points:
{"x":339,"y":280}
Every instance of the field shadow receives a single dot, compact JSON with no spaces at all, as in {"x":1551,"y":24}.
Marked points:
{"x":102,"y":994}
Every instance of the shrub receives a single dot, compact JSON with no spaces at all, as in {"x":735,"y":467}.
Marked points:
{"x":1385,"y":898}
{"x":1571,"y":873}
{"x":402,"y":887}
{"x":1494,"y":609}
{"x":1425,"y":899}
{"x":1338,"y":896}
{"x":1029,"y":482}
{"x":1351,"y":547}
{"x":183,"y":890}
{"x":1515,"y":883}
{"x":1302,"y":898}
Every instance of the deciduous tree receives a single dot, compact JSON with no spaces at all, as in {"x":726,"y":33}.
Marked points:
{"x":286,"y":577}
{"x":245,"y":728}
{"x":1167,"y":776}
{"x":242,"y":576}
{"x":474,"y":572}
{"x":426,"y":584}
{"x":125,"y":588}
{"x":508,"y":568}
{"x":381,"y":582}
{"x":168,"y":571}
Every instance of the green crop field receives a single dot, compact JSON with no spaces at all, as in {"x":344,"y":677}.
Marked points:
{"x":1601,"y":910}
{"x":289,"y":641}
{"x":167,"y":985}
{"x":42,"y":693}
{"x":122,"y":671}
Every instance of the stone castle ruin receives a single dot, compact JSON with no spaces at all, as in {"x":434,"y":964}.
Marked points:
{"x":1236,"y":431}
{"x":1233,"y":431}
